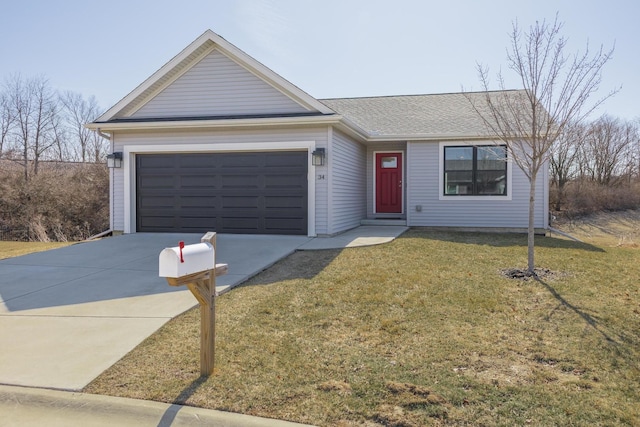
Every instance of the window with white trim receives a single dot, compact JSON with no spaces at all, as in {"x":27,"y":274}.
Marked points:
{"x":479,"y":170}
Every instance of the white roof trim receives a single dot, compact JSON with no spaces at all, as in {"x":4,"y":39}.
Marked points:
{"x":216,"y":123}
{"x":426,"y":137}
{"x":234,"y":53}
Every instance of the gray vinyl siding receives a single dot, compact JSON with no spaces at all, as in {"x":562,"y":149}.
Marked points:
{"x":117,"y":191}
{"x":218,"y":86}
{"x":239,"y":137}
{"x":371,"y":149}
{"x":424,"y":183}
{"x":348,"y":183}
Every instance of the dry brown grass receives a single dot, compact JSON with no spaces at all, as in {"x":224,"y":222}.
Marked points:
{"x":422,"y":331}
{"x":13,"y":249}
{"x":605,"y":228}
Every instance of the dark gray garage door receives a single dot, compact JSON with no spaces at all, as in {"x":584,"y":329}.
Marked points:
{"x":258,"y":193}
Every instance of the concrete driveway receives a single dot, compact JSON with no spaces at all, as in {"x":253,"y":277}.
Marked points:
{"x":68,"y":314}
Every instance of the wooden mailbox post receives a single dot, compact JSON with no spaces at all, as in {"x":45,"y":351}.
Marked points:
{"x":195,"y":266}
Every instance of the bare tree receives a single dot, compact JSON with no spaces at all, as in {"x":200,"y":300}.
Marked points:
{"x":61,"y":149}
{"x":80,"y":111}
{"x":631,"y":136}
{"x":636,"y":149}
{"x":6,"y":121}
{"x":557,"y":90}
{"x":562,"y":161}
{"x":32,"y":104}
{"x":609,"y":149}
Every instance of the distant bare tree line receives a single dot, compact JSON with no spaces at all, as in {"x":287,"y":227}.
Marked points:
{"x":54,"y":183}
{"x":38,"y":123}
{"x":596,"y":166}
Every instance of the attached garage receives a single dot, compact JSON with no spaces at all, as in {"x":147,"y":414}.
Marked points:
{"x":230,"y":192}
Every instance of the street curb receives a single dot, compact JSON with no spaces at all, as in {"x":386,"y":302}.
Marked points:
{"x":22,"y":406}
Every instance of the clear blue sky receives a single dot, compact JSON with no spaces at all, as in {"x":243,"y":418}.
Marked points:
{"x":328,"y":48}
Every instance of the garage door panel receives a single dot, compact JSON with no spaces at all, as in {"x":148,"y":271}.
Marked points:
{"x":286,"y":159}
{"x":276,"y":202}
{"x":194,"y":161}
{"x":197,"y":181}
{"x":261,"y":193}
{"x":150,"y":162}
{"x":283,"y":181}
{"x":242,"y":202}
{"x":155,"y":181}
{"x":240,"y":160}
{"x":198,"y":201}
{"x":240,"y":181}
{"x":157,"y":202}
{"x":160,"y":222}
{"x":290,"y":224}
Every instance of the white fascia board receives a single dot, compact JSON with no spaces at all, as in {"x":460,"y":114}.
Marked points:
{"x":223,"y":123}
{"x":433,"y":137}
{"x":426,"y":137}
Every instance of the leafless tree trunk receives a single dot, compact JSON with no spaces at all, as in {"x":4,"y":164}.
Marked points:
{"x":608,"y":146}
{"x":6,"y":121}
{"x":61,"y":144}
{"x":34,"y":110}
{"x":563,"y":157}
{"x":80,"y":111}
{"x":556,"y":92}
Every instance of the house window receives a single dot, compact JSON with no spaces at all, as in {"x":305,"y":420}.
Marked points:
{"x":475,"y":170}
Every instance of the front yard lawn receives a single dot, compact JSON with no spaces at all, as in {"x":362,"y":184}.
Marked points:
{"x":423,"y":331}
{"x":13,"y":249}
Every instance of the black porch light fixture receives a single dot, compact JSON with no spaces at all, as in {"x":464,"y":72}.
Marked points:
{"x":114,"y":160}
{"x":317,"y":157}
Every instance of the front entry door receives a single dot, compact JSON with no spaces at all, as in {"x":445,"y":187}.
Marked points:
{"x":388,"y":182}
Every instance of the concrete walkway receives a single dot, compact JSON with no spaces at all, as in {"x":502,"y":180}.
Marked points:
{"x":68,"y":314}
{"x":366,"y":235}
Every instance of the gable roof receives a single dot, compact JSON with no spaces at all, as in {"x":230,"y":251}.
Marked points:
{"x":382,"y":118}
{"x":191,"y":56}
{"x":447,"y":115}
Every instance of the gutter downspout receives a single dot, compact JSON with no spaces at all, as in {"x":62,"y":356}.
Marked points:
{"x":103,"y":135}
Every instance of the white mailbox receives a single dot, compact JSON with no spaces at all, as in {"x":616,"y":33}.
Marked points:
{"x":183,"y":260}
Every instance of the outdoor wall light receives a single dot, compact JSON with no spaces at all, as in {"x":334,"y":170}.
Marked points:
{"x":317,"y":157}
{"x":114,"y":160}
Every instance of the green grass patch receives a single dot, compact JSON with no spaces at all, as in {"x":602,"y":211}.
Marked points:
{"x":422,"y":331}
{"x":13,"y":249}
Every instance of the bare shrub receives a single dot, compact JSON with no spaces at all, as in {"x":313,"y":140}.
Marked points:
{"x":583,"y":197}
{"x":64,"y":202}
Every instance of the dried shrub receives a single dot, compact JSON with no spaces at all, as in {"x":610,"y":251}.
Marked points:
{"x":583,"y":197}
{"x":63,"y":202}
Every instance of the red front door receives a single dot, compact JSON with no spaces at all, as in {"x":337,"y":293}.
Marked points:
{"x":388,"y":182}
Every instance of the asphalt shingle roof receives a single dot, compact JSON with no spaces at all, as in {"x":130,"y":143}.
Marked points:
{"x":429,"y":116}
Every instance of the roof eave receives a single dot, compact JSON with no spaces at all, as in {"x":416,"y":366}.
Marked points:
{"x":107,"y":126}
{"x":429,"y":137}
